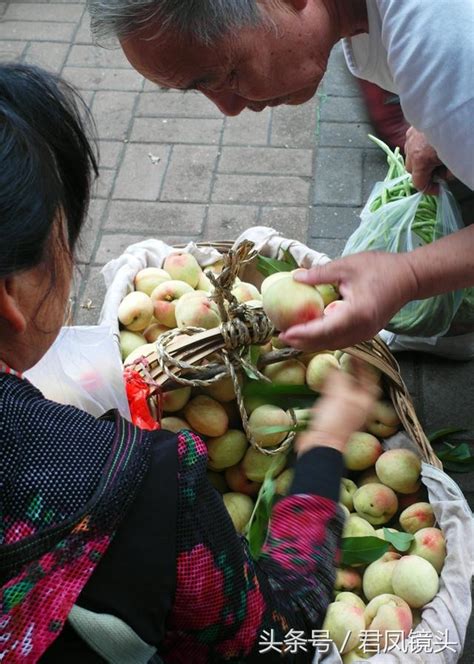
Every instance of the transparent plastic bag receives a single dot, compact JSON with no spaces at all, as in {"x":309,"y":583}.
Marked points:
{"x":403,"y":225}
{"x":83,"y":368}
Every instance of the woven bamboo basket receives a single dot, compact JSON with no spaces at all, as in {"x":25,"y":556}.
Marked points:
{"x":199,"y":345}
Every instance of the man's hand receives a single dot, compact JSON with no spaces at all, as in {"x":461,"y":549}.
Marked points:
{"x":373,"y":285}
{"x":421,"y":161}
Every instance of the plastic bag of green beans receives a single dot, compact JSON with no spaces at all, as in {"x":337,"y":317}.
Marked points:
{"x":397,"y":218}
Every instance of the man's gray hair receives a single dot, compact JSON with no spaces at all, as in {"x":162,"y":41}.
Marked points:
{"x":204,"y":20}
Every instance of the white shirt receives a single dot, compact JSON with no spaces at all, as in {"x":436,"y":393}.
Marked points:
{"x":423,"y":50}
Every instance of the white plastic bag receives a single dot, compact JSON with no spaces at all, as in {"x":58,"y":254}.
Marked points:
{"x":83,"y":369}
{"x":401,"y":226}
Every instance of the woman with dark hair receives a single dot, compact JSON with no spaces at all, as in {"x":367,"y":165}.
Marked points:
{"x":113,"y":544}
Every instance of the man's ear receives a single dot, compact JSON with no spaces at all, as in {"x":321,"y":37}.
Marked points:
{"x":9,"y":307}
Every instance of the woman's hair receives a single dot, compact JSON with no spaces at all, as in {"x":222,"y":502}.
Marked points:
{"x":46,"y":165}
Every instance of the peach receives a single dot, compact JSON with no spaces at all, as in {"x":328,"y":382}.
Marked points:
{"x":204,"y":283}
{"x":415,"y":580}
{"x":255,"y":464}
{"x":345,"y":512}
{"x":344,"y":623}
{"x":149,"y":278}
{"x":223,"y":390}
{"x":362,"y":451}
{"x":377,"y":579}
{"x":183,"y":267}
{"x":176,"y":399}
{"x":388,"y":613}
{"x":197,"y":311}
{"x":268,"y":281}
{"x":355,"y":656}
{"x":383,"y":421}
{"x":206,"y":416}
{"x":218,"y":481}
{"x":226,"y":450}
{"x":369,"y":476}
{"x":278,"y":344}
{"x":154,"y":331}
{"x":328,"y":292}
{"x":400,"y":470}
{"x":318,"y":369}
{"x":287,"y":302}
{"x":429,"y":543}
{"x":135,"y":311}
{"x":417,"y":516}
{"x":288,"y":372}
{"x":253,"y":402}
{"x":245,"y":292}
{"x":164,"y":299}
{"x":348,"y":579}
{"x":130,"y":341}
{"x":268,"y":416}
{"x":173,"y":424}
{"x":348,"y":489}
{"x":376,"y":503}
{"x":240,"y":508}
{"x":238,"y":481}
{"x":356,"y":526}
{"x":283,"y":482}
{"x":350,"y":598}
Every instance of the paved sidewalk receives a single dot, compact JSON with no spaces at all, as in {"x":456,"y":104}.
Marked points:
{"x":174,"y":168}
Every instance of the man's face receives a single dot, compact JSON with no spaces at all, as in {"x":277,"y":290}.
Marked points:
{"x":256,"y":68}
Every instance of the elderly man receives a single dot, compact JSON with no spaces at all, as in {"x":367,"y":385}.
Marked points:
{"x":258,"y":53}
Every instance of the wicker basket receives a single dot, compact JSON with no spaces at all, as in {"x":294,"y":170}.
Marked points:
{"x":203,"y":344}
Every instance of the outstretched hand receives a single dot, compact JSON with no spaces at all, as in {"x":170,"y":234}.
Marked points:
{"x":373,"y":285}
{"x":343,"y":408}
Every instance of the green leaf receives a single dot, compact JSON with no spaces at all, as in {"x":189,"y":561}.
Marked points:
{"x":261,"y":389}
{"x":361,"y":550}
{"x":401,"y":541}
{"x":290,"y":259}
{"x":257,"y":527}
{"x":267,"y":266}
{"x":443,"y":433}
{"x":456,"y":458}
{"x":459,"y":467}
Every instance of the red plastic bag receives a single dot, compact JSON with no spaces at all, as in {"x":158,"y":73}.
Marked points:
{"x":138,"y":392}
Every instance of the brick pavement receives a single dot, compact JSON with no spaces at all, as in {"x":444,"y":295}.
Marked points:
{"x":173,"y":167}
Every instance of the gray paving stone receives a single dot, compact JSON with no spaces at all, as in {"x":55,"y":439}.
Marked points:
{"x":291,"y":222}
{"x":110,"y":152}
{"x":274,"y":161}
{"x":155,"y":219}
{"x":103,"y":185}
{"x":25,"y":30}
{"x":248,"y":128}
{"x":3,"y":6}
{"x":12,"y":50}
{"x":447,"y":384}
{"x":112,"y":113}
{"x":177,"y":130}
{"x":51,"y":56}
{"x":91,"y":78}
{"x":338,"y":177}
{"x":90,"y":231}
{"x":141,"y":172}
{"x":83,"y":34}
{"x":374,"y":170}
{"x":333,"y":222}
{"x":345,"y":134}
{"x":408,"y":368}
{"x":190,"y":172}
{"x":83,"y":55}
{"x":91,"y":297}
{"x":160,"y":103}
{"x":33,"y":11}
{"x":226,"y":222}
{"x":338,"y":80}
{"x":342,"y":109}
{"x":332,"y":248}
{"x":114,"y":244}
{"x":294,"y":126}
{"x":260,"y":189}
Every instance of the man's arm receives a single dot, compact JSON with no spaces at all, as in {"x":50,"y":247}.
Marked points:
{"x":375,"y":285}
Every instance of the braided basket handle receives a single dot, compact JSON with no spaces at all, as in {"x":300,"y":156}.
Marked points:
{"x":377,"y":353}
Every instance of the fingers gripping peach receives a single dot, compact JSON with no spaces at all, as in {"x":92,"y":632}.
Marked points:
{"x":287,"y":302}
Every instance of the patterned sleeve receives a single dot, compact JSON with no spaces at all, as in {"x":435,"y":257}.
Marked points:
{"x":228,"y":607}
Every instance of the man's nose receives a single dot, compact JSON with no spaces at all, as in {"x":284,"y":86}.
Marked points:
{"x":227,"y":102}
